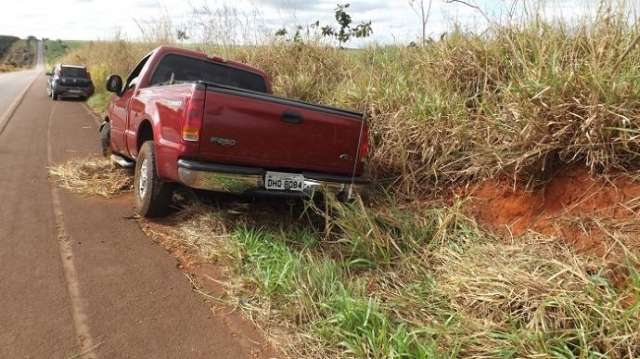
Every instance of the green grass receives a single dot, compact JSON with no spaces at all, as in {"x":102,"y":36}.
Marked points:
{"x":99,"y":101}
{"x":457,"y":291}
{"x":318,"y":292}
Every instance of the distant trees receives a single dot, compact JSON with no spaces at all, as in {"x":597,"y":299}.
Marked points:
{"x":343,"y":32}
{"x":423,"y":9}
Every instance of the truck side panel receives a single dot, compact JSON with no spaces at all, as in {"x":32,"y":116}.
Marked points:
{"x":165,"y":108}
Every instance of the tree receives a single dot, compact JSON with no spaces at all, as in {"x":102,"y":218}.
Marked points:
{"x":423,"y":11}
{"x":345,"y":32}
{"x":181,"y":35}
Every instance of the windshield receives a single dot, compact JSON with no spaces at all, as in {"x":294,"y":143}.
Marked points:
{"x":175,"y":69}
{"x":73,"y":72}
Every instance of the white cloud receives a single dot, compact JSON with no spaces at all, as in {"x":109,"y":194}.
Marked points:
{"x":392,"y":20}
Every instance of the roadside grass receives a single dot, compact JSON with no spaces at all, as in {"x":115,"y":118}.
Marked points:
{"x":431,"y":282}
{"x":54,"y":50}
{"x":99,"y":100}
{"x":520,"y":100}
{"x":92,"y":176}
{"x":454,"y":290}
{"x":393,"y":279}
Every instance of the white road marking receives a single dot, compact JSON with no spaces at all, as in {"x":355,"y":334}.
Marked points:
{"x":8,"y":114}
{"x":78,"y":304}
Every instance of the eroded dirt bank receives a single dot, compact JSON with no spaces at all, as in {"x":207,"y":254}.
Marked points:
{"x":573,"y":205}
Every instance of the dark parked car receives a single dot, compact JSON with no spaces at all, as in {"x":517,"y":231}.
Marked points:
{"x":69,"y":81}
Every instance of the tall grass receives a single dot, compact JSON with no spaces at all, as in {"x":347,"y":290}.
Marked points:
{"x":424,"y":286}
{"x":519,"y":100}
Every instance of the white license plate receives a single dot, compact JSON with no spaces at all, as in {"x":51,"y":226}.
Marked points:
{"x":278,"y":181}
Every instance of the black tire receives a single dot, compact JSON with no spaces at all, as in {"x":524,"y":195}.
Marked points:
{"x":105,"y":138}
{"x":54,"y":97}
{"x":154,"y":198}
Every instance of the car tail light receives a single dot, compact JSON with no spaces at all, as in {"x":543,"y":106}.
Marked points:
{"x":364,"y":143}
{"x":194,"y":115}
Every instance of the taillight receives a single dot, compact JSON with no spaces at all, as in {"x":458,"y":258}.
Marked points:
{"x":194,"y":115}
{"x":364,"y":143}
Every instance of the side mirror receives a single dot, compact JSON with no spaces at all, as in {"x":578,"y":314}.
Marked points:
{"x":114,"y":84}
{"x":49,"y":73}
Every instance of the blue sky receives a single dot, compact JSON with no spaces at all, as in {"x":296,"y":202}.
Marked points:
{"x":393,"y":20}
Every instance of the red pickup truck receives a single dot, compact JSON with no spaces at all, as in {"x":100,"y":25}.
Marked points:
{"x":213,"y":124}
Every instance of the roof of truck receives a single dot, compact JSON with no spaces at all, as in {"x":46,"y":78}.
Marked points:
{"x":74,"y":66}
{"x":214,"y":58}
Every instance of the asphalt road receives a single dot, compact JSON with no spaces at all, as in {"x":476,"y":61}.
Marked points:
{"x":78,"y":278}
{"x":12,"y":84}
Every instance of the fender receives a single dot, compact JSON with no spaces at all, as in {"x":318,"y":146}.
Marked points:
{"x":166,"y":131}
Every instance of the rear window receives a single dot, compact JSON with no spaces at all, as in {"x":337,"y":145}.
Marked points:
{"x":73,"y":72}
{"x":178,"y":69}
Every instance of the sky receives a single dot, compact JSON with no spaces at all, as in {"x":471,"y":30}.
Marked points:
{"x":393,"y":21}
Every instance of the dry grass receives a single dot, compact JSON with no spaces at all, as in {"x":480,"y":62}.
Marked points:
{"x":93,"y":176}
{"x":519,"y":100}
{"x":434,"y":284}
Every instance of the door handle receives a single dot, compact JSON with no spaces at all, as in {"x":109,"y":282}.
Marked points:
{"x":292,"y":117}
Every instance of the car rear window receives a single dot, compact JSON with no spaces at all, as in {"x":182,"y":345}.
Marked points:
{"x":177,"y":69}
{"x":73,"y":72}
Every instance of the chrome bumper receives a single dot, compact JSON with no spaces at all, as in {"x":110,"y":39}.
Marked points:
{"x":247,"y":180}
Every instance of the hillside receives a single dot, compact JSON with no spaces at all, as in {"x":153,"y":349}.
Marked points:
{"x":16,"y":53}
{"x":5,"y":44}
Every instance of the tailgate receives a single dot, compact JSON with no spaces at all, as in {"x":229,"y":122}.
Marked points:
{"x":254,"y":129}
{"x":75,"y":82}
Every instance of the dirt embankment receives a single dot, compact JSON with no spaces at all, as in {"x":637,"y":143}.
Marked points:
{"x":592,"y":214}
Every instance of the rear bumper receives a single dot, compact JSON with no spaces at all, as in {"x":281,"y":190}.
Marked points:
{"x":250,"y":180}
{"x":73,"y":91}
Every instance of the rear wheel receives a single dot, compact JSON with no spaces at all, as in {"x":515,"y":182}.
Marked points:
{"x":153,"y":196}
{"x":54,"y":97}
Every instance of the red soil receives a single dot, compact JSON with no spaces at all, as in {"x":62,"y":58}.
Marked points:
{"x":566,"y":207}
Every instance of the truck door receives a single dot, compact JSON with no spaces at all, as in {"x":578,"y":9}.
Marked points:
{"x":121,"y":108}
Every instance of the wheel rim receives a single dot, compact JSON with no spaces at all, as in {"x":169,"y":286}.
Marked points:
{"x":143,"y":183}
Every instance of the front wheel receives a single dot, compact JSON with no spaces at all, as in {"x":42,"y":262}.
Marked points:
{"x":105,"y":138}
{"x":153,"y":196}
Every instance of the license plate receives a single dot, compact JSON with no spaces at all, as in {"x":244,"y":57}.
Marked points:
{"x":278,"y":181}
